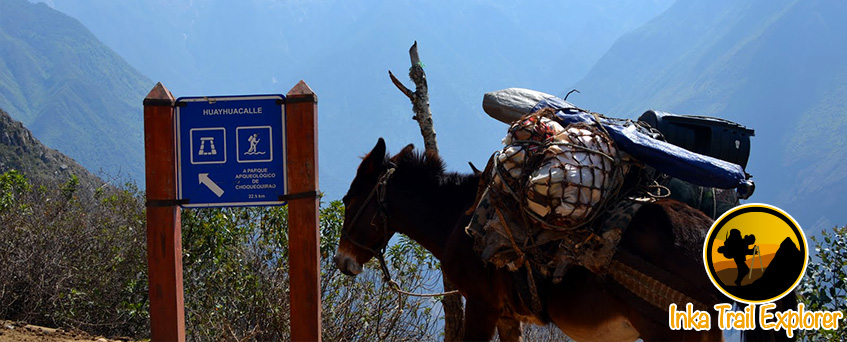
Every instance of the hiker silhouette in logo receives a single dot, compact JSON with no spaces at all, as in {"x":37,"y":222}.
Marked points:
{"x":738,"y":249}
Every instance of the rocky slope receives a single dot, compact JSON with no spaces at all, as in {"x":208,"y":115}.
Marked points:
{"x":21,"y":151}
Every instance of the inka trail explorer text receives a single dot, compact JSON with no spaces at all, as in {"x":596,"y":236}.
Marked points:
{"x":789,"y":320}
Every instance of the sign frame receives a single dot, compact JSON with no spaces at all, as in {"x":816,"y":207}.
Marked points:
{"x":164,"y":227}
{"x":275,"y":198}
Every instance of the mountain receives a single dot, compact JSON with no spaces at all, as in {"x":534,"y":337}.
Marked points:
{"x":779,"y":67}
{"x":73,"y":92}
{"x":343,"y":50}
{"x":781,"y":274}
{"x":20,"y":151}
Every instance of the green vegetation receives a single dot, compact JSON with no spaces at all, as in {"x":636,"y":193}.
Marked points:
{"x":72,"y":257}
{"x":236,"y":281}
{"x":75,"y":257}
{"x":824,"y":286}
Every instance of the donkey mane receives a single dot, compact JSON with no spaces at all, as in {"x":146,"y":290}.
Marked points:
{"x":423,"y":170}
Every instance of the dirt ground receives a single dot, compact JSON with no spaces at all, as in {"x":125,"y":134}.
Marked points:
{"x":22,"y":332}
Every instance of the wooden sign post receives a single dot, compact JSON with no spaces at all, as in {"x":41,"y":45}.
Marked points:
{"x":301,"y":106}
{"x":164,"y":233}
{"x":164,"y":237}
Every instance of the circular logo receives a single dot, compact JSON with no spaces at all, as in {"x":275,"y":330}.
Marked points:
{"x":755,"y":253}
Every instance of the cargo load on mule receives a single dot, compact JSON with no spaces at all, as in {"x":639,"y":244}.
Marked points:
{"x":568,"y":181}
{"x":714,"y":137}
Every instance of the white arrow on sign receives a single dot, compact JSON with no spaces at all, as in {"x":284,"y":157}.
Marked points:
{"x":204,"y":179}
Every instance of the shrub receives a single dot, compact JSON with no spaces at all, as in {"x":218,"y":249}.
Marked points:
{"x":823,"y":286}
{"x":75,"y":257}
{"x":236,"y":281}
{"x":72,"y":257}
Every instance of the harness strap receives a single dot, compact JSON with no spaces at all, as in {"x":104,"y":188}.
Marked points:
{"x":652,"y":285}
{"x":379,"y":189}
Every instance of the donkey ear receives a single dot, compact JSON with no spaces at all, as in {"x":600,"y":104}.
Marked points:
{"x":408,"y":149}
{"x":379,"y":149}
{"x":375,"y":158}
{"x":476,"y":172}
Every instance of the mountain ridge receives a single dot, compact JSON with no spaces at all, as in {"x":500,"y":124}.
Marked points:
{"x":73,"y":92}
{"x":468,"y":48}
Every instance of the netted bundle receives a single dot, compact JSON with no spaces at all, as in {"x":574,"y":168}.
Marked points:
{"x":562,"y":176}
{"x":576,"y":174}
{"x":525,"y":139}
{"x":537,"y":128}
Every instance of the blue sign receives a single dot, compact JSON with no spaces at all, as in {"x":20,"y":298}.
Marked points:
{"x":231,"y":150}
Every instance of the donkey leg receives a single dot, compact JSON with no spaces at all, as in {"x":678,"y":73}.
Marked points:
{"x":480,"y":320}
{"x":509,"y":329}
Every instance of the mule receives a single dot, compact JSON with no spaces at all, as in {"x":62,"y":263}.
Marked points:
{"x":412,"y":194}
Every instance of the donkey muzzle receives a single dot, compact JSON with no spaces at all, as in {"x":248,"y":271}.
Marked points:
{"x":347,"y":264}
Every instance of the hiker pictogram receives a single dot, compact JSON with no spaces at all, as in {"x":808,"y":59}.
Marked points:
{"x":254,"y":141}
{"x":253,"y":144}
{"x":737,"y":248}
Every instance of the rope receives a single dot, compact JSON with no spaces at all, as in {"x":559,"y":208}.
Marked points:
{"x":598,"y":120}
{"x":521,"y":255}
{"x":586,"y":149}
{"x":536,"y":301}
{"x":394,"y":286}
{"x":659,"y":188}
{"x":527,"y":211}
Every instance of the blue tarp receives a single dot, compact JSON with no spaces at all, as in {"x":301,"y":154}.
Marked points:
{"x":664,"y":157}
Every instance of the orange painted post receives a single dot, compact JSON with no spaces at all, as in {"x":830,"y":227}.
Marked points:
{"x":164,"y":236}
{"x":301,"y":108}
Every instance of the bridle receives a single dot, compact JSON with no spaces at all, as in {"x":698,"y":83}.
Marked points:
{"x":378,"y":192}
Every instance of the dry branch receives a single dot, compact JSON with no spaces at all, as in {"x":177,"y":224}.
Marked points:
{"x":453,"y":310}
{"x":419,"y":98}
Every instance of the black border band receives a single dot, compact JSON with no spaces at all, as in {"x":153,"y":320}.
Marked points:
{"x":301,"y":99}
{"x":300,"y":195}
{"x":153,"y":203}
{"x":158,"y":102}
